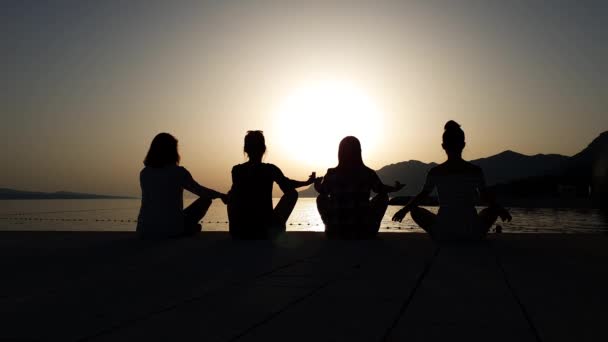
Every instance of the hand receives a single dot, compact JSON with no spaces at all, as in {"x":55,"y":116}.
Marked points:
{"x":504,"y":215}
{"x":400,"y":215}
{"x":398,"y":186}
{"x":312,"y":178}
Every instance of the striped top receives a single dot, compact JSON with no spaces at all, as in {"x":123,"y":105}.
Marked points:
{"x":349,"y":193}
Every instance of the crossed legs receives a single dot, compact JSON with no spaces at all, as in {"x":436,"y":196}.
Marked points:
{"x":240,"y":228}
{"x":368,"y":228}
{"x":283,"y":210}
{"x":425,"y":219}
{"x":193,"y":214}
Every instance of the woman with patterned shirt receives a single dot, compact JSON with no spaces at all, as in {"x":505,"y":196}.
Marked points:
{"x":344,"y":195}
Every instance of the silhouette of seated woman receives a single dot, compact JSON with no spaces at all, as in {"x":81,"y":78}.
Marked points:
{"x":458,"y":184}
{"x":250,"y":209}
{"x":344,"y":195}
{"x":162,"y":180}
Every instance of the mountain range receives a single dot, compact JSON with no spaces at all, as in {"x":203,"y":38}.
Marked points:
{"x":588,"y":167}
{"x":8,"y":194}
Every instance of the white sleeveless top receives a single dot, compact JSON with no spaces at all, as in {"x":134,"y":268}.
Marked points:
{"x":162,"y":205}
{"x":457,"y":196}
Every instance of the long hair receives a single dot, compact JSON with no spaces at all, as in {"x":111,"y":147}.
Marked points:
{"x":255,"y":144}
{"x":349,"y":153}
{"x":453,"y":137}
{"x":163,"y":151}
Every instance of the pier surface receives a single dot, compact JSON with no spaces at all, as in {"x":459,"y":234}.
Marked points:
{"x":95,"y":286}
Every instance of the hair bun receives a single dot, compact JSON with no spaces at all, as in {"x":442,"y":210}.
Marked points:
{"x":451,"y":125}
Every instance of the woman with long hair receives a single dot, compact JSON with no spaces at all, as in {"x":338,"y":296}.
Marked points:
{"x":458,"y":184}
{"x":163,"y":181}
{"x":344,"y":195}
{"x":250,"y":209}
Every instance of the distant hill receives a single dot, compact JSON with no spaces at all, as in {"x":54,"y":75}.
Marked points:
{"x":584,"y":175}
{"x":503,"y":167}
{"x":516,"y":174}
{"x":10,"y":194}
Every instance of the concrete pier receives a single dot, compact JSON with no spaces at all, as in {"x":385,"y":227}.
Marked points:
{"x":94,"y":286}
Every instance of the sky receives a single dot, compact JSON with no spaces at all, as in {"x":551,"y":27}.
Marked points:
{"x":86,"y":85}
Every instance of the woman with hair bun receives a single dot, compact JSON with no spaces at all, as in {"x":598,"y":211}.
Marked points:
{"x":458,"y":184}
{"x":250,"y":209}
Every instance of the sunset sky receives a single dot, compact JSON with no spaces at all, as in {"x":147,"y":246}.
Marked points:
{"x":86,"y":85}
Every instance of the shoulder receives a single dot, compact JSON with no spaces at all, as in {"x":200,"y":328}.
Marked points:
{"x":271,"y":167}
{"x":473,"y":169}
{"x":331,"y":172}
{"x":437,"y":170}
{"x":371,"y":173}
{"x":143,"y":174}
{"x":179,"y":169}
{"x":244,"y":168}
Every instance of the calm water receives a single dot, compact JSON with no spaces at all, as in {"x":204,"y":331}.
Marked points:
{"x":120,"y":215}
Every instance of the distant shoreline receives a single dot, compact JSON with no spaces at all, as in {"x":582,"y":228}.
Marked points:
{"x":66,"y":198}
{"x":12,"y":194}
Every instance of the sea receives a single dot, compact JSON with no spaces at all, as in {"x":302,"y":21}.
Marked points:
{"x":121,"y":215}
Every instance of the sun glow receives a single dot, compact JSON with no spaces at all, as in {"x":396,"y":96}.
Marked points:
{"x":313,"y":119}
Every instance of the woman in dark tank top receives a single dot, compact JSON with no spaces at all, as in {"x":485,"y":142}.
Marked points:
{"x":250,"y":209}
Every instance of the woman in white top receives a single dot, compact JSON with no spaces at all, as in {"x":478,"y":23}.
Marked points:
{"x":163,"y":181}
{"x":458,"y":184}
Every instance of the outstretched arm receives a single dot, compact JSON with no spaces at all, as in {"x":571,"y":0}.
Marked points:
{"x":414,"y":202}
{"x":298,"y":184}
{"x":489,"y":197}
{"x":191,"y":185}
{"x":287,"y":184}
{"x":385,"y":189}
{"x":429,"y":185}
{"x":381,"y":188}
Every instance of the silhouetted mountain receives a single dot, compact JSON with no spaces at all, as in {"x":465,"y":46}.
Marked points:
{"x":584,"y":175}
{"x":6,"y":194}
{"x":503,"y":167}
{"x":591,"y":164}
{"x":538,"y":180}
{"x":509,"y":165}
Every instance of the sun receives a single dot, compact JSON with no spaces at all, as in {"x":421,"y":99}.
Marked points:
{"x":311,"y":121}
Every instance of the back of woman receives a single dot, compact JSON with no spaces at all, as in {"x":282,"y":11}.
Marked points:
{"x":344,"y":195}
{"x":161,"y":204}
{"x":251,"y":193}
{"x":162,"y":182}
{"x":460,"y":185}
{"x":250,"y":208}
{"x":349,"y":192}
{"x":457,"y":189}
